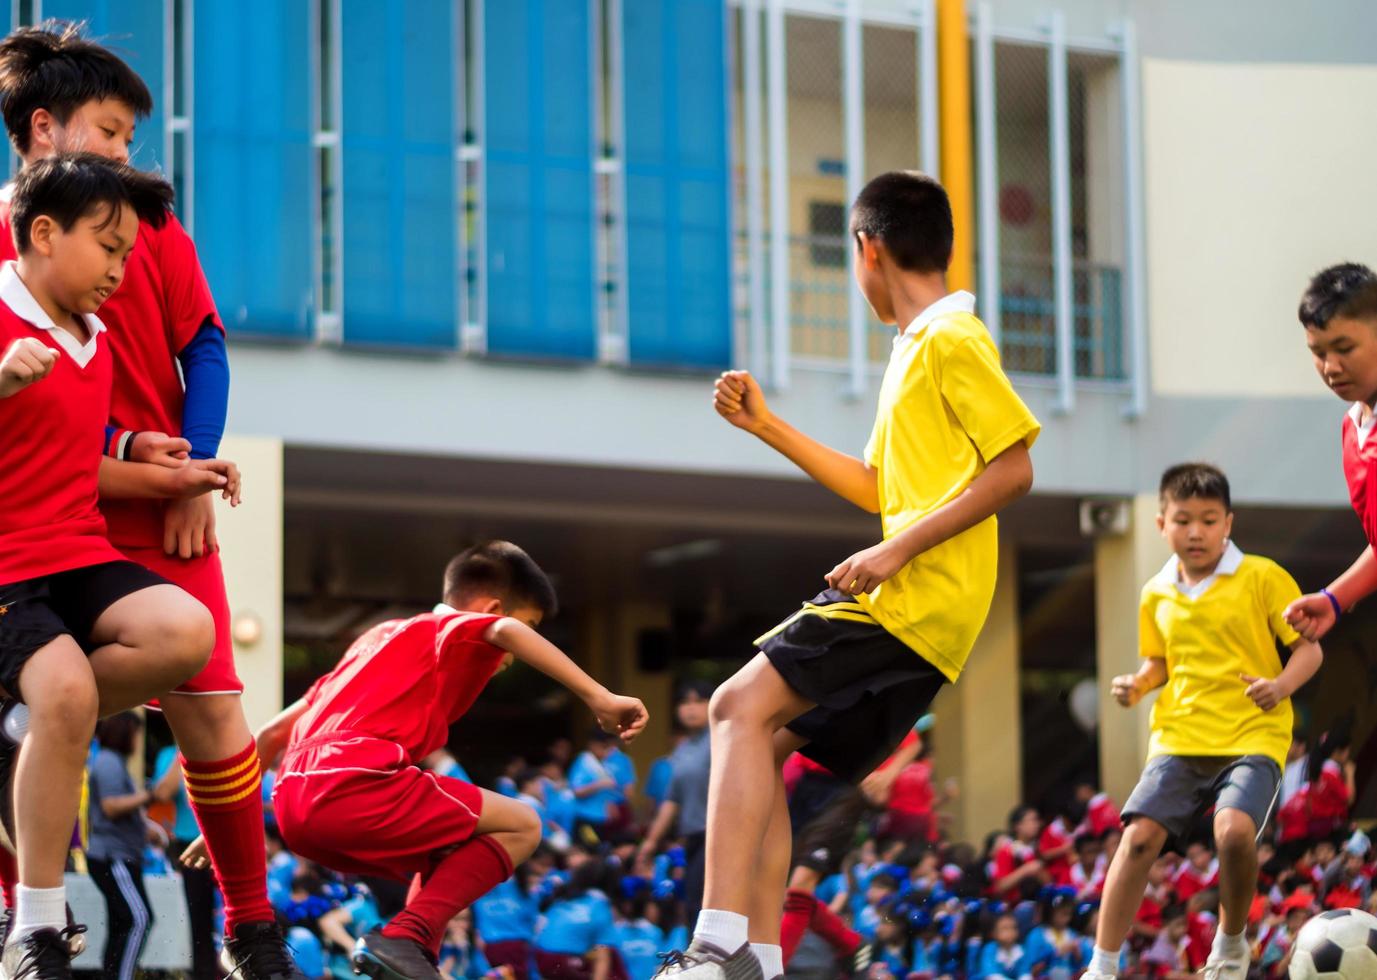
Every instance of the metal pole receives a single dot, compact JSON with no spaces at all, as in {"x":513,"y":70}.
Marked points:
{"x":987,"y":172}
{"x":758,"y":351}
{"x":853,"y":100}
{"x":931,"y":147}
{"x":777,"y":81}
{"x":1061,"y":215}
{"x":1135,"y":300}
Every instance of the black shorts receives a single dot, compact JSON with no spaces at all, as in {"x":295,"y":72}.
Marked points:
{"x":870,"y":689}
{"x":37,"y":611}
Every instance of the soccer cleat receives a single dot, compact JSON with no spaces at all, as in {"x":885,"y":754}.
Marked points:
{"x":387,"y":958}
{"x":42,"y":955}
{"x":259,"y":951}
{"x":704,"y":961}
{"x":860,"y":960}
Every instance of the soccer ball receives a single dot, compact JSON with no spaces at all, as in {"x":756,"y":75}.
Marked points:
{"x":1337,"y":945}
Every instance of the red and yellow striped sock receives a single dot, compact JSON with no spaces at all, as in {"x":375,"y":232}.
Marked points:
{"x":227,"y":799}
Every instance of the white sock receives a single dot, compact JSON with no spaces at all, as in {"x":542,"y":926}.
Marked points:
{"x":1103,"y":961}
{"x":39,"y":908}
{"x":725,"y":930}
{"x":1229,"y":947}
{"x":771,"y":959}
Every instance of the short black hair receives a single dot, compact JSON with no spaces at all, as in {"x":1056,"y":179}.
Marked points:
{"x":1330,"y":290}
{"x":55,"y":66}
{"x":119,"y":732}
{"x":71,"y":186}
{"x":700,"y":689}
{"x":909,"y":212}
{"x":502,"y":570}
{"x":1195,"y":481}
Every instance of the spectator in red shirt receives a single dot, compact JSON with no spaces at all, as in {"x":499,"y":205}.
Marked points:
{"x":1015,"y":870}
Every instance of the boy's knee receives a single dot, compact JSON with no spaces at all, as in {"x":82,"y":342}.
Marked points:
{"x":1234,"y":832}
{"x":1144,"y":839}
{"x":188,"y":636}
{"x":67,"y":705}
{"x":528,"y":832}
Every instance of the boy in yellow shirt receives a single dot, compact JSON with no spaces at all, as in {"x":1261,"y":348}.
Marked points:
{"x":845,"y":678}
{"x":1208,"y":625}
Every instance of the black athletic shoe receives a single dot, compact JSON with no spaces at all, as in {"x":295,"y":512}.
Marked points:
{"x":385,"y":958}
{"x":704,"y":961}
{"x":259,"y":951}
{"x":42,"y":955}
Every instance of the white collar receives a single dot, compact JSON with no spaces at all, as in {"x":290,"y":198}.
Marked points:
{"x":444,"y":609}
{"x":958,"y":302}
{"x":1228,"y":565}
{"x":1361,"y":428}
{"x":17,"y":297}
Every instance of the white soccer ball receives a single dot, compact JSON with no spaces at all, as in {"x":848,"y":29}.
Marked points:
{"x":1337,"y":945}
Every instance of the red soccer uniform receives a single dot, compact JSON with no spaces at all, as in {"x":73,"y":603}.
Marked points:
{"x":1009,"y":856}
{"x":1360,"y":470}
{"x":1190,"y":880}
{"x":160,"y":306}
{"x":1055,"y":835}
{"x":1101,"y":816}
{"x":349,"y":794}
{"x":53,"y":433}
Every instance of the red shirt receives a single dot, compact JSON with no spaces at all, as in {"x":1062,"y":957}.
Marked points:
{"x":1101,"y":815}
{"x":1190,"y":880}
{"x":1009,"y":856}
{"x":406,"y":680}
{"x":912,"y":792}
{"x":1056,"y":835}
{"x":1360,"y":470}
{"x":53,"y":432}
{"x":1328,"y":795}
{"x":159,"y":307}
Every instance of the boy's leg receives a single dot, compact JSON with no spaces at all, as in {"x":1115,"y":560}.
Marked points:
{"x":57,"y":684}
{"x":743,"y":793}
{"x":146,"y":643}
{"x":764,"y":925}
{"x":1126,"y":882}
{"x":1246,"y":793}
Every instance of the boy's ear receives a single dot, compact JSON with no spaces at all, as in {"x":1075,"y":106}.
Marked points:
{"x":870,"y":249}
{"x":41,"y":233}
{"x":41,"y":126}
{"x":1161,"y":521}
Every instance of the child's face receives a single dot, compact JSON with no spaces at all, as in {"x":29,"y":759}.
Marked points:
{"x":1296,"y":919}
{"x":1088,"y":853}
{"x":1325,"y":852}
{"x":1160,"y":871}
{"x":1353,"y":864}
{"x":1197,"y":530}
{"x":1029,"y":826}
{"x":876,"y":894}
{"x":101,"y":126}
{"x":1062,"y":915}
{"x":1345,"y":356}
{"x":692,"y":711}
{"x":889,"y":931}
{"x":87,"y":260}
{"x":1006,"y":931}
{"x":1199,"y":856}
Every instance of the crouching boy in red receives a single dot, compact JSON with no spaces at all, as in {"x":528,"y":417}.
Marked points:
{"x":349,"y":793}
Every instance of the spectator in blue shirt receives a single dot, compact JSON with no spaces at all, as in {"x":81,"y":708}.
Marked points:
{"x":1055,"y":949}
{"x":576,"y":929}
{"x":637,"y":940}
{"x":1002,"y":958}
{"x":505,"y":920}
{"x":198,"y":883}
{"x":598,"y":792}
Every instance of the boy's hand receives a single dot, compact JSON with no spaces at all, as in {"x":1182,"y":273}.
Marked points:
{"x":189,"y":528}
{"x":738,"y":399}
{"x":1312,"y":616}
{"x":196,"y":855}
{"x":623,"y":715}
{"x":1266,"y":694}
{"x":27,"y":360}
{"x":865,"y":571}
{"x":160,"y":449}
{"x":200,"y":476}
{"x":1125,"y":689}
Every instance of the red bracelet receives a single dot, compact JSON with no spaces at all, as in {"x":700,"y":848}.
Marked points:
{"x":1338,"y":609}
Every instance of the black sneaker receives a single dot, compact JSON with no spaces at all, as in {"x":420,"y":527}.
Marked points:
{"x":42,"y":955}
{"x":385,"y":958}
{"x":259,"y":951}
{"x":704,"y":961}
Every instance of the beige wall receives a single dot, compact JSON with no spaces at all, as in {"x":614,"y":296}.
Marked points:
{"x":1256,"y":176}
{"x":251,"y":551}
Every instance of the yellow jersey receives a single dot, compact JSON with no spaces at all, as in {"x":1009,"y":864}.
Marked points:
{"x":1225,"y":626}
{"x":946,"y":409}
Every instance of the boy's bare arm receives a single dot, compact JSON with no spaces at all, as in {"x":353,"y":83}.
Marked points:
{"x":615,"y":713}
{"x":272,"y":737}
{"x":1007,"y":477}
{"x":738,"y":399}
{"x":1305,"y":661}
{"x":121,"y":480}
{"x":1129,"y":689}
{"x":1314,"y":615}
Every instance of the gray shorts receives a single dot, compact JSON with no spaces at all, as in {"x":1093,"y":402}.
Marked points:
{"x":1176,"y":789}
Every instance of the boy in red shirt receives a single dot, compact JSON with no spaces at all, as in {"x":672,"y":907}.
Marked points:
{"x":62,"y":91}
{"x":350,"y":794}
{"x":82,"y":630}
{"x":1339,"y":313}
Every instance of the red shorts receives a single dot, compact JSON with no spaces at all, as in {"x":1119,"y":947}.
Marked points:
{"x":354,"y":804}
{"x":203,"y":579}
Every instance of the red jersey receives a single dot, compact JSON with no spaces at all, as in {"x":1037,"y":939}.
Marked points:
{"x":160,"y":306}
{"x":1360,"y":470}
{"x":53,"y":433}
{"x":1328,"y":795}
{"x":406,"y":681}
{"x":1009,"y":856}
{"x":1190,"y":880}
{"x":1101,"y":816}
{"x":912,"y":792}
{"x":1056,"y":835}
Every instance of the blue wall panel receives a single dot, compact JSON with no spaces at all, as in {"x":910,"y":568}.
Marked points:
{"x":677,"y":183}
{"x":254,"y":206}
{"x":537,"y":98}
{"x":400,"y":205}
{"x":134,"y":30}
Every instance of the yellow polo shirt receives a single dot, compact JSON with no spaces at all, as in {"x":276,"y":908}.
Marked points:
{"x":1228,"y":625}
{"x":946,"y":409}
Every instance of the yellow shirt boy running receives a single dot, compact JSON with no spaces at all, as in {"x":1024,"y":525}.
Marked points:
{"x":1208,"y":627}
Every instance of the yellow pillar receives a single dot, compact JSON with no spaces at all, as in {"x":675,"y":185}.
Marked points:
{"x":976,"y":739}
{"x":251,"y":553}
{"x":954,"y":100}
{"x":1123,"y":564}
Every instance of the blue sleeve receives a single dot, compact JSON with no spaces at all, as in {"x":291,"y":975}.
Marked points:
{"x":205,"y":371}
{"x":582,"y":774}
{"x":166,"y":759}
{"x":1038,"y":950}
{"x":605,"y":926}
